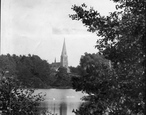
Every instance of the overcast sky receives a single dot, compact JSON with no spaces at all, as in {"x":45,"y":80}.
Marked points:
{"x":39,"y":27}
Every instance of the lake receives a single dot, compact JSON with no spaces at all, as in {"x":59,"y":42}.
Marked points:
{"x":61,"y":101}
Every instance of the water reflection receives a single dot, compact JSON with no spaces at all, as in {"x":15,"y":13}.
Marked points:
{"x":61,"y":101}
{"x":63,"y":108}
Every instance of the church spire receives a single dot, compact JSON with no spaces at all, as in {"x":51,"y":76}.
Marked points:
{"x":64,"y":49}
{"x":64,"y":57}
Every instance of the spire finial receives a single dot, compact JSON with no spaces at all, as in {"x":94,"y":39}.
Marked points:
{"x":55,"y":60}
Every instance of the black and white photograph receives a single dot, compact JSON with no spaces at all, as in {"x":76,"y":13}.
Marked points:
{"x":72,"y":57}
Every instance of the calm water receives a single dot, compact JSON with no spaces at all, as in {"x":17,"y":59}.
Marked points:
{"x":61,"y":101}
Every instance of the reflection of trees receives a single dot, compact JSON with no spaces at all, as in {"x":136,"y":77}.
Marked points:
{"x":63,"y":108}
{"x":43,"y":108}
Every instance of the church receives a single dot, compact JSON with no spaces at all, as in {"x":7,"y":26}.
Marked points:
{"x":63,"y":60}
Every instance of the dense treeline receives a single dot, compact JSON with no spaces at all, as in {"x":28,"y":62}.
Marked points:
{"x":32,"y":71}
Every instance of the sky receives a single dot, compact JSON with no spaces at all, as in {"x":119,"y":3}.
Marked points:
{"x":39,"y":27}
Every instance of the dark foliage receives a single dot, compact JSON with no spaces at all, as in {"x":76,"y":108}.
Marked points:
{"x":121,"y":89}
{"x":15,"y":100}
{"x":63,"y":79}
{"x":33,"y":72}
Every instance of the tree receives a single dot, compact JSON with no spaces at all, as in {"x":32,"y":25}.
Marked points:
{"x":15,"y":100}
{"x":123,"y":42}
{"x":94,"y":80}
{"x":63,"y":79}
{"x":7,"y":63}
{"x":32,"y":71}
{"x":74,"y":70}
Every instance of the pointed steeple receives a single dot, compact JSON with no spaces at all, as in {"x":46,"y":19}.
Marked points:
{"x":64,"y":49}
{"x":64,"y":57}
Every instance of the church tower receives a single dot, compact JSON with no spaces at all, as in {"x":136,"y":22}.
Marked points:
{"x":64,"y":57}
